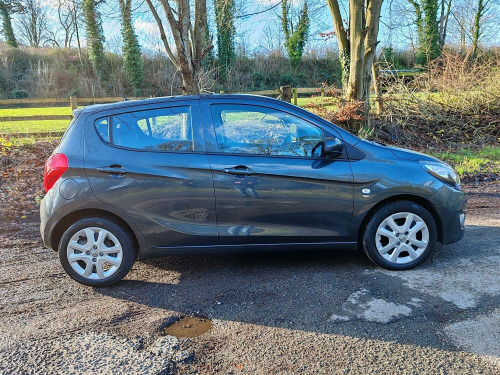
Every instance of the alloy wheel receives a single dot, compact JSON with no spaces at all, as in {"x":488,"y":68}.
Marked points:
{"x":402,"y":237}
{"x":94,"y":253}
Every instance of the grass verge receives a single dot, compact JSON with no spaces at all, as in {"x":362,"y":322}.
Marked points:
{"x":471,"y":162}
{"x":38,"y":126}
{"x":43,"y":111}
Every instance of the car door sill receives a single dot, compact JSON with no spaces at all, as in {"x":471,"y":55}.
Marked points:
{"x":154,"y":252}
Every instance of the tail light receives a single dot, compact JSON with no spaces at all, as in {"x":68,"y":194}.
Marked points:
{"x":55,"y":166}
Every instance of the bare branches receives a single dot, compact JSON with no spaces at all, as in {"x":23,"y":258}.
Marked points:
{"x":33,"y":23}
{"x":163,"y":36}
{"x":188,"y":34}
{"x":461,"y":104}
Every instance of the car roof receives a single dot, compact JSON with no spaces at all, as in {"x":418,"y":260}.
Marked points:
{"x":172,"y":99}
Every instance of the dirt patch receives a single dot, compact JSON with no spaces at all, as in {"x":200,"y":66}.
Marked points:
{"x":189,"y":326}
{"x":21,"y":178}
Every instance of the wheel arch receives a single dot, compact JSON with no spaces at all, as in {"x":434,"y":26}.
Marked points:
{"x":403,"y":197}
{"x":66,"y":221}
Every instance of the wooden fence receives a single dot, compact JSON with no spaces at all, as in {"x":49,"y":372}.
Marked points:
{"x":74,"y":101}
{"x":286,"y":92}
{"x":35,"y":118}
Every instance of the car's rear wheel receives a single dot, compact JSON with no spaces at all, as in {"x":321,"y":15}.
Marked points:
{"x":400,"y":235}
{"x":96,"y":252}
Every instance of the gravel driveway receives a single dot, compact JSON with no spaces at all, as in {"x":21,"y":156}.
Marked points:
{"x":309,"y":312}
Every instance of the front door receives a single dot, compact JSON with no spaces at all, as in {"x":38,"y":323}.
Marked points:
{"x":151,"y":164}
{"x":269,"y":187}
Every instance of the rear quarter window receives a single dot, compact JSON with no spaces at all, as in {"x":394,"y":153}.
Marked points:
{"x":163,"y":129}
{"x":102,"y":127}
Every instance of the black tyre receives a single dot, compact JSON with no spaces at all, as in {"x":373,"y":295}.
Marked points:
{"x":96,"y":252}
{"x":400,"y":235}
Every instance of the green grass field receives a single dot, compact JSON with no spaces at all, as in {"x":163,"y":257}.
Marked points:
{"x":316,"y":100}
{"x":39,"y":126}
{"x":45,"y":111}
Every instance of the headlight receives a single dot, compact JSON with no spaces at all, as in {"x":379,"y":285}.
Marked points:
{"x":442,"y":171}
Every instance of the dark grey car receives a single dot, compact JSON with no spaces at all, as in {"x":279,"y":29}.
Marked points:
{"x":184,"y":175}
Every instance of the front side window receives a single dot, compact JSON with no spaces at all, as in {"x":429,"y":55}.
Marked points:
{"x":164,"y":129}
{"x":246,"y":129}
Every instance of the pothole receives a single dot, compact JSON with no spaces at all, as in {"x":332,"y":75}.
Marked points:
{"x":189,"y":326}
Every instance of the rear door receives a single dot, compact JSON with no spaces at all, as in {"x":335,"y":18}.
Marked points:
{"x":269,"y":187}
{"x":150,"y":162}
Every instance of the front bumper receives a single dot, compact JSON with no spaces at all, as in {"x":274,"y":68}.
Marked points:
{"x":450,"y":204}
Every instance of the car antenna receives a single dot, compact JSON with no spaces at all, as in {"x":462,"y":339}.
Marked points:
{"x":120,"y":90}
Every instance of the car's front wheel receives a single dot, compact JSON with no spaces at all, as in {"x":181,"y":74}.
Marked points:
{"x":400,"y":235}
{"x":96,"y":252}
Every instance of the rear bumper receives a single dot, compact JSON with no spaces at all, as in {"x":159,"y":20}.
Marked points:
{"x":45,"y":211}
{"x":451,"y":205}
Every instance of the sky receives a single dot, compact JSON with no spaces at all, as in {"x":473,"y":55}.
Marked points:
{"x":262,"y":33}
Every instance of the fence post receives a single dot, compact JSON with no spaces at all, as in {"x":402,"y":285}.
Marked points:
{"x":322,"y":97}
{"x":286,"y":93}
{"x":73,"y":102}
{"x":295,"y":96}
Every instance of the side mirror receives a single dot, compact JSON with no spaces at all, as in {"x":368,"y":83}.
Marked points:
{"x":330,"y":148}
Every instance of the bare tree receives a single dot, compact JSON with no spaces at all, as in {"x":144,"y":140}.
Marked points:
{"x":33,"y":23}
{"x":61,"y":35}
{"x":189,"y":34}
{"x":473,"y":20}
{"x":481,"y":10}
{"x":76,"y":17}
{"x":444,"y":17}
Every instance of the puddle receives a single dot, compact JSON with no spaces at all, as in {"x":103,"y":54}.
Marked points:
{"x":189,"y":326}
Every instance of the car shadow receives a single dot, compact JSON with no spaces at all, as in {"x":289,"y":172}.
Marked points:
{"x":334,"y":292}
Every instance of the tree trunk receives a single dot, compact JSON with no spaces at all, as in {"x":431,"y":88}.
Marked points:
{"x":77,"y":32}
{"x":363,"y":26}
{"x":357,"y":34}
{"x":189,"y":38}
{"x":443,"y":21}
{"x":342,"y":40}
{"x":373,"y":10}
{"x":477,"y":25}
{"x":376,"y":86}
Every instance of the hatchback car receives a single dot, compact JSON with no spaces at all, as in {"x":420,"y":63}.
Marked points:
{"x":223,"y":173}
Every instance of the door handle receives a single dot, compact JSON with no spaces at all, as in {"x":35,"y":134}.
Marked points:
{"x":238,"y":171}
{"x":114,"y":170}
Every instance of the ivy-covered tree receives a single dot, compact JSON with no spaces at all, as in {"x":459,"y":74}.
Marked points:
{"x":428,"y":27}
{"x":482,"y":8}
{"x":295,"y":35}
{"x":224,"y":20}
{"x":132,"y":63}
{"x":5,"y":10}
{"x":95,"y":37}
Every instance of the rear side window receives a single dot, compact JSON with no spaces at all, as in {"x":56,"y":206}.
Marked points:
{"x":165,"y":129}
